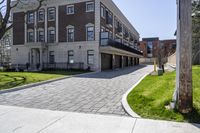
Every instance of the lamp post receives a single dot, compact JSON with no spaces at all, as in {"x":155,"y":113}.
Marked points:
{"x":184,"y":56}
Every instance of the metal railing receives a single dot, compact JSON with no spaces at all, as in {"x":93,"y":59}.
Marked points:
{"x":63,"y":66}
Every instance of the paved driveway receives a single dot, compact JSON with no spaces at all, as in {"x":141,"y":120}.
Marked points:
{"x":99,"y":93}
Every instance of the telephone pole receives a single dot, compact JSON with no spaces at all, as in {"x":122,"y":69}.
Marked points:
{"x":184,"y":56}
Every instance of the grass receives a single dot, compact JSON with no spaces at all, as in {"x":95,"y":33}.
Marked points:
{"x":14,"y":79}
{"x":150,"y":98}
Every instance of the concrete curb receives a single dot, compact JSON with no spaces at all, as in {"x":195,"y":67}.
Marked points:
{"x":41,"y":83}
{"x":125,"y":102}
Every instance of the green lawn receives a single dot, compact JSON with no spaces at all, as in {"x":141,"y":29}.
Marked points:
{"x":150,"y":97}
{"x":14,"y":79}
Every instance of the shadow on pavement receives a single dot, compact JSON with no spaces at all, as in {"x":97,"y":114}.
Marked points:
{"x":112,"y":73}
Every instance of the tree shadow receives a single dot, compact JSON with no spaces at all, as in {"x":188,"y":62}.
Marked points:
{"x":193,"y":117}
{"x":14,"y":82}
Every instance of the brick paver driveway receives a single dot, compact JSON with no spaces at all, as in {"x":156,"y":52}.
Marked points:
{"x":91,"y":93}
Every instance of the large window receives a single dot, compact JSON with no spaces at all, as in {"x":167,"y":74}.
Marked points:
{"x":89,"y":6}
{"x":90,"y":57}
{"x":70,"y":9}
{"x":30,"y":17}
{"x":71,"y":56}
{"x":41,"y":15}
{"x":70,"y":34}
{"x":51,"y":14}
{"x":149,"y":48}
{"x":51,"y":57}
{"x":30,"y":36}
{"x":51,"y":35}
{"x":90,"y":33}
{"x":40,"y":36}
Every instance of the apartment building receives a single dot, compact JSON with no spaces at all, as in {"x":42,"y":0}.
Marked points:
{"x":151,"y":47}
{"x":86,"y":34}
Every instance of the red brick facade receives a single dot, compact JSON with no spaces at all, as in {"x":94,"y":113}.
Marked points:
{"x":167,"y":47}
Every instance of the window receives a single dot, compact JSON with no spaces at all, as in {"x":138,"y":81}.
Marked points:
{"x":70,"y":9}
{"x":149,"y":48}
{"x":51,"y":14}
{"x":71,"y":56}
{"x":70,"y":34}
{"x":90,"y":33}
{"x":30,"y":17}
{"x":90,"y":57}
{"x":51,"y":57}
{"x":103,"y":15}
{"x":40,"y":37}
{"x":90,"y":7}
{"x":51,"y":35}
{"x":30,"y":36}
{"x":109,"y":18}
{"x":41,"y":16}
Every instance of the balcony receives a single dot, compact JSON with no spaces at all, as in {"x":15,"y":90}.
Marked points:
{"x":106,"y":41}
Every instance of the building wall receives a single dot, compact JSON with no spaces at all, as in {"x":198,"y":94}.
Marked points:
{"x":79,"y":20}
{"x":18,"y":28}
{"x":167,"y":47}
{"x":61,"y":47}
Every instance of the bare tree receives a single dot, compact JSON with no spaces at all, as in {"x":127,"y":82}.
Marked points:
{"x":6,"y":7}
{"x":5,"y":49}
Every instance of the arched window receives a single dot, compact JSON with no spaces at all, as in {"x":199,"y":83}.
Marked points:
{"x":90,"y":32}
{"x":70,"y":33}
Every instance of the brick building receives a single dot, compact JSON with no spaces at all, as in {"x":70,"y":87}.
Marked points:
{"x":89,"y":33}
{"x":152,"y":46}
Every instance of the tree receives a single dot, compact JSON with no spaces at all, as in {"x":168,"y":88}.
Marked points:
{"x":5,"y":49}
{"x":196,"y":31}
{"x":6,"y":7}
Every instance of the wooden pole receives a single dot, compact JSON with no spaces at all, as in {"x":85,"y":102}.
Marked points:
{"x":184,"y":56}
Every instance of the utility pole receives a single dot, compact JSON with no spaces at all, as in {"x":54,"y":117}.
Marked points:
{"x":184,"y":56}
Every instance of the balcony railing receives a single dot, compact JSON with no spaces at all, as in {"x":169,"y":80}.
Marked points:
{"x":106,"y":41}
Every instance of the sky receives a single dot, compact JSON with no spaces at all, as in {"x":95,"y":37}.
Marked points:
{"x":151,"y":18}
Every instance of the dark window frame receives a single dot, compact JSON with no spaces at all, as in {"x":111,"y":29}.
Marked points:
{"x":39,"y":16}
{"x":54,"y":14}
{"x":90,"y":55}
{"x":87,"y":30}
{"x":30,"y":19}
{"x":70,"y":54}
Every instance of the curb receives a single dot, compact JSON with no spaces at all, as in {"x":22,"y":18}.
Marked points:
{"x":124,"y":101}
{"x":41,"y":83}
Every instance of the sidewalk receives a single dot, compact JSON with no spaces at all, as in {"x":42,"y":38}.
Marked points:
{"x":23,"y":120}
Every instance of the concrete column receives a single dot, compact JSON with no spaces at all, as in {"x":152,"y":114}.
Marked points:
{"x":56,"y":24}
{"x":122,"y":58}
{"x":41,"y":58}
{"x":35,"y":26}
{"x":25,"y":29}
{"x":113,"y":61}
{"x":45,"y":23}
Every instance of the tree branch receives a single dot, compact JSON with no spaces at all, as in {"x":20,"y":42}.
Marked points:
{"x":2,"y":2}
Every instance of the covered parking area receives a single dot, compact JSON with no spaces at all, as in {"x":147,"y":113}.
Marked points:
{"x":113,"y":58}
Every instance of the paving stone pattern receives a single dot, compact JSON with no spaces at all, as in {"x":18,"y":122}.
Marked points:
{"x":98,"y":93}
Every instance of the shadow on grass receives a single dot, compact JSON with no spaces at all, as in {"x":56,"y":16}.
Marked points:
{"x":63,"y":72}
{"x":15,"y":81}
{"x":193,"y":117}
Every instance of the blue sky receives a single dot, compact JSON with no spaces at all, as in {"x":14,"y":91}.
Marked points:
{"x":151,"y":18}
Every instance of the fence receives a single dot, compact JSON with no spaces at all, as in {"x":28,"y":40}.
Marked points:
{"x":63,"y":66}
